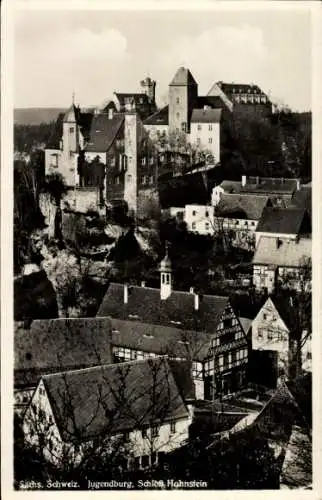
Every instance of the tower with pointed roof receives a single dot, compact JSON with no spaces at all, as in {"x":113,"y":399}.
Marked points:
{"x":165,"y":269}
{"x":70,"y":145}
{"x":183,"y":93}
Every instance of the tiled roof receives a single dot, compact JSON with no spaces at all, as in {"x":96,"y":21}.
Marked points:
{"x":157,"y":339}
{"x":267,"y":185}
{"x":206,"y":116}
{"x":114,"y":398}
{"x":281,"y":220}
{"x":243,"y":206}
{"x":303,"y":198}
{"x":161,"y":117}
{"x":236,"y":88}
{"x":145,"y":305}
{"x":272,"y":251}
{"x":184,"y":77}
{"x":59,"y":344}
{"x":212,"y":101}
{"x":104,"y":131}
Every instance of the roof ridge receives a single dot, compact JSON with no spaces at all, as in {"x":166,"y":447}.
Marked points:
{"x":104,"y":365}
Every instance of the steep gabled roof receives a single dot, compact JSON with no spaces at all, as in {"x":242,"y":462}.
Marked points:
{"x":103,"y":132}
{"x":206,"y":116}
{"x":243,"y":206}
{"x":281,"y":220}
{"x":272,"y":251}
{"x":183,"y":77}
{"x":145,"y":305}
{"x":214,"y":102}
{"x":71,"y":114}
{"x":160,"y":117}
{"x":59,"y":344}
{"x":115,"y":398}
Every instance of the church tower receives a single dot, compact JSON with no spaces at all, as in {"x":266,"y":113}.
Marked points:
{"x":165,"y":269}
{"x":183,"y":93}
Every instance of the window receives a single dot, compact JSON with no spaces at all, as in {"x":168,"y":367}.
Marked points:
{"x":151,"y":160}
{"x":178,"y":100}
{"x":269,"y":335}
{"x":112,"y":161}
{"x":198,"y":140}
{"x":193,"y":225}
{"x":172,"y":427}
{"x":143,"y":179}
{"x":253,"y":223}
{"x":227,"y":323}
{"x":265,"y":316}
{"x":28,"y":356}
{"x":210,"y":128}
{"x":221,"y":362}
{"x":207,"y":213}
{"x":143,"y":161}
{"x":151,"y":179}
{"x":154,"y":431}
{"x":207,"y":226}
{"x":71,"y":154}
{"x":246,"y":223}
{"x":117,"y":180}
{"x":71,"y":130}
{"x":129,"y":178}
{"x":178,"y":115}
{"x":260,"y":335}
{"x":210,"y":140}
{"x":167,"y":279}
{"x":183,"y":126}
{"x":144,"y":433}
{"x":199,"y":126}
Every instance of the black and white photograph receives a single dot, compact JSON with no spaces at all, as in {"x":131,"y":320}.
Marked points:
{"x":162,"y":248}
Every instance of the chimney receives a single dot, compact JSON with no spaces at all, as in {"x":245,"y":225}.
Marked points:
{"x":143,"y":284}
{"x":192,"y":290}
{"x":196,"y":302}
{"x":243,"y":180}
{"x":126,"y":293}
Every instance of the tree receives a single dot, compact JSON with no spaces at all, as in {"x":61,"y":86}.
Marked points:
{"x":296,"y":289}
{"x":54,"y":185}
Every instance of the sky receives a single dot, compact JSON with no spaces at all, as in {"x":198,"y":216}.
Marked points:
{"x":96,"y":53}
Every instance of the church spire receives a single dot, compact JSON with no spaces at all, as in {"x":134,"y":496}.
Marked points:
{"x":165,"y":269}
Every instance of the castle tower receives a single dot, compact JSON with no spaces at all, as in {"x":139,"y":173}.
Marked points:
{"x":70,"y":143}
{"x":130,"y":149}
{"x":183,"y":93}
{"x":148,"y":86}
{"x":165,"y":269}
